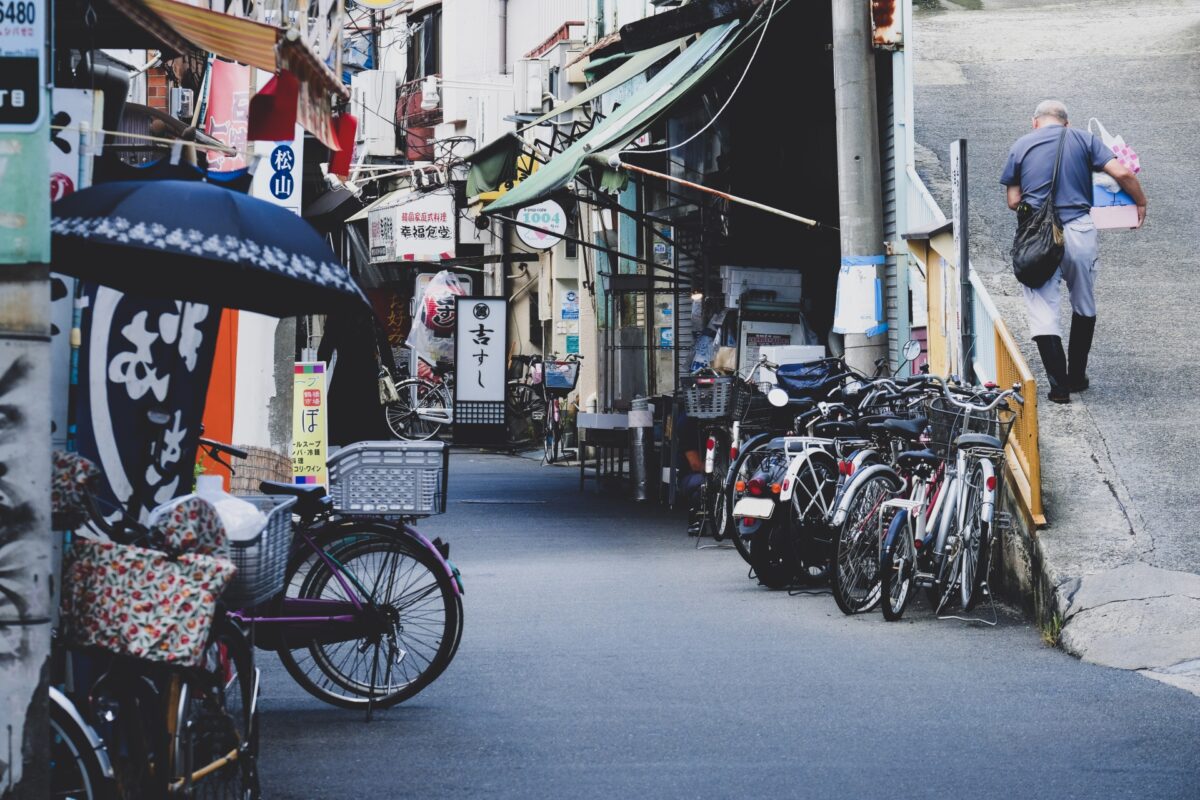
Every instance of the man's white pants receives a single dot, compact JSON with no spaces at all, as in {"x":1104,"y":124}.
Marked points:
{"x":1081,"y":259}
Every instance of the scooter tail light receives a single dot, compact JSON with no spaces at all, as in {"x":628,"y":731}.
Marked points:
{"x":733,"y":453}
{"x":711,"y":443}
{"x":991,"y":483}
{"x":756,"y":486}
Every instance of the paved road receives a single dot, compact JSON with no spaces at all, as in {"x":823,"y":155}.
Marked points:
{"x":603,"y":656}
{"x":1136,"y":65}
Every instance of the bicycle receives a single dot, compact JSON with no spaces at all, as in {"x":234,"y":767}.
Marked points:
{"x":523,"y":397}
{"x":924,"y":542}
{"x":559,"y":378}
{"x":423,"y":406}
{"x":187,"y":729}
{"x":363,"y":581}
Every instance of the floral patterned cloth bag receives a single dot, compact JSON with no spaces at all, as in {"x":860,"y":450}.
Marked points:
{"x":152,"y":604}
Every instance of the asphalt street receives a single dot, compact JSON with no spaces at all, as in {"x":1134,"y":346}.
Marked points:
{"x":604,"y":656}
{"x":981,"y":69}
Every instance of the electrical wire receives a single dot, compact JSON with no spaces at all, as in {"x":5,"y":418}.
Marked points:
{"x":728,"y":100}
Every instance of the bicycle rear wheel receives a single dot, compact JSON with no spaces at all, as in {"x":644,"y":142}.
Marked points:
{"x":404,"y":642}
{"x":968,"y":566}
{"x":403,"y":416}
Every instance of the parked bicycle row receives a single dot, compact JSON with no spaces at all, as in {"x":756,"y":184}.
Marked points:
{"x":878,"y":486}
{"x":165,"y":607}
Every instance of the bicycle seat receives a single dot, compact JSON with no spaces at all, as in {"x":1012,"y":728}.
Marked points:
{"x":913,"y":459}
{"x":910,"y":429}
{"x":311,"y":497}
{"x":834,"y":429}
{"x":978,"y":440}
{"x":442,"y":368}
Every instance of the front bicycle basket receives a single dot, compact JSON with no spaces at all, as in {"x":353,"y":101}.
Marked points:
{"x":715,"y":397}
{"x":561,"y":376}
{"x":262,"y":561}
{"x":389,"y":479}
{"x":947,"y":422}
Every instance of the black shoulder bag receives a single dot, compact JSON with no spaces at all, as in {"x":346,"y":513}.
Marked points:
{"x":1038,"y":246}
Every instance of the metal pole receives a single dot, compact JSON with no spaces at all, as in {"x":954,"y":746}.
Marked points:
{"x":958,"y":177}
{"x":859,"y":187}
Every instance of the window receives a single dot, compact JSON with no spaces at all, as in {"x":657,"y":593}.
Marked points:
{"x":425,"y":45}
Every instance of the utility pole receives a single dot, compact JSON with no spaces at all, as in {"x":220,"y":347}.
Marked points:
{"x":26,"y":599}
{"x":859,"y":187}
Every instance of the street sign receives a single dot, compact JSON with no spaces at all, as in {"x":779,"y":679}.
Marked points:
{"x":547,"y":215}
{"x":480,"y":366}
{"x":308,"y":423}
{"x":418,"y":227}
{"x":280,"y":172}
{"x":22,"y":64}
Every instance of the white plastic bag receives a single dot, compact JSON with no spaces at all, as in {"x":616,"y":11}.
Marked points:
{"x":1124,"y":153}
{"x":432,"y":334}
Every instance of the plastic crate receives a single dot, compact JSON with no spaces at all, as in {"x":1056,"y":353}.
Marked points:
{"x":262,"y":561}
{"x":389,"y":479}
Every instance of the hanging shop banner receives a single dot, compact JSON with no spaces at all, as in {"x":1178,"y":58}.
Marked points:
{"x":22,"y":64}
{"x":139,"y":354}
{"x":418,"y":227}
{"x":547,"y":215}
{"x":481,"y":341}
{"x":227,"y":113}
{"x":308,"y":423}
{"x":77,"y":111}
{"x":279,"y":174}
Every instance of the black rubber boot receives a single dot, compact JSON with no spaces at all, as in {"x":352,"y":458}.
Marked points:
{"x":1055,"y":361}
{"x":1082,"y":329}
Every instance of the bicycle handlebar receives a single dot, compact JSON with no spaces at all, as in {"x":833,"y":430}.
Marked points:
{"x":1014,"y":393}
{"x":221,"y":447}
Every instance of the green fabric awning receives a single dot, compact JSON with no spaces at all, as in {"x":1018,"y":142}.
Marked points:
{"x":493,"y":164}
{"x":629,"y":120}
{"x":637,"y":64}
{"x":595,"y":64}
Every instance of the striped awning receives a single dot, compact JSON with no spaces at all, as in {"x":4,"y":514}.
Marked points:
{"x":250,"y":42}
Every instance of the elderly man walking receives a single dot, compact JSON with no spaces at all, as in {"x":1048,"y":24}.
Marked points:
{"x":1027,"y":174}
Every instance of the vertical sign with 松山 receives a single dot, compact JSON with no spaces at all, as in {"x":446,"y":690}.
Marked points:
{"x":308,"y":425}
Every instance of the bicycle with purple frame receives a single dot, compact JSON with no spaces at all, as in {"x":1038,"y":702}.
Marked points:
{"x":370,"y":611}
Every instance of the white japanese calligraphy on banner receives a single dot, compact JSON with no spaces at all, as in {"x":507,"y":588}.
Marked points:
{"x":480,"y":345}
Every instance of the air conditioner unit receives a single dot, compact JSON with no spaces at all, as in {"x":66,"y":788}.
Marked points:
{"x":373,"y":98}
{"x":529,"y":84}
{"x":181,"y":103}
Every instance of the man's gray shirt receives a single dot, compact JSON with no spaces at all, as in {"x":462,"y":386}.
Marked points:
{"x":1031,"y":162}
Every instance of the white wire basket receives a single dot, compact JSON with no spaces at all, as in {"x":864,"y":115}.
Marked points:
{"x":262,"y":561}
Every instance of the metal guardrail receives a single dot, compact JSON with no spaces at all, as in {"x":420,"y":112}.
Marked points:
{"x":997,"y":358}
{"x":994,"y":357}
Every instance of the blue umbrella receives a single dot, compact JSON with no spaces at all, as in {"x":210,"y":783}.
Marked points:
{"x":188,"y":240}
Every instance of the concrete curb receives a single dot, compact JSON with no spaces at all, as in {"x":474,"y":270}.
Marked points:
{"x":1083,"y":577}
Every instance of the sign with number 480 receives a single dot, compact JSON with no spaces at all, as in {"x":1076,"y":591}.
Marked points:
{"x":22,"y":64}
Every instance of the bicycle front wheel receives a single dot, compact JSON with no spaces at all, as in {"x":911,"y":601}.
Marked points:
{"x":417,"y":396}
{"x":75,"y":769}
{"x":898,"y":567}
{"x":968,"y":569}
{"x":855,"y":574}
{"x":406,"y":637}
{"x":215,"y":752}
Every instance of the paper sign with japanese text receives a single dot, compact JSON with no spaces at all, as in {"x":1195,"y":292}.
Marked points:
{"x":308,"y":423}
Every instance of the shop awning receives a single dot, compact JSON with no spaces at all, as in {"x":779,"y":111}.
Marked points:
{"x":247,"y":41}
{"x":636,"y":64}
{"x":391,"y":198}
{"x":628,"y":121}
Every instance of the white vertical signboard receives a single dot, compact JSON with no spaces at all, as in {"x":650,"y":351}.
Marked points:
{"x":480,"y":350}
{"x":279,"y":173}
